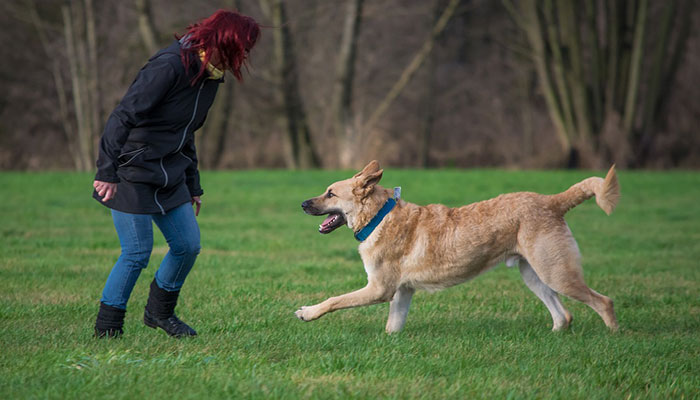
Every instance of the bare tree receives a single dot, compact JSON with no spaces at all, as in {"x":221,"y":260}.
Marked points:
{"x":147,"y":27}
{"x":81,"y":51}
{"x":301,"y":149}
{"x":586,"y":105}
{"x":352,"y":139}
{"x":412,"y":67}
{"x":61,"y":93}
{"x":607,"y":80}
{"x":429,"y":97}
{"x":94,"y":96}
{"x":211,"y":139}
{"x":346,"y":134}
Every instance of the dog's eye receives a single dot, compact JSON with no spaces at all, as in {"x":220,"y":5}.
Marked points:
{"x":330,"y":194}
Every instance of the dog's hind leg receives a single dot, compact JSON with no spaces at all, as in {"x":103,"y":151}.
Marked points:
{"x":398,"y":309}
{"x":561,"y":317}
{"x":556,"y":260}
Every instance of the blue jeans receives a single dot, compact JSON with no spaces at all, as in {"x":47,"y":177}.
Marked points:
{"x":135,"y":231}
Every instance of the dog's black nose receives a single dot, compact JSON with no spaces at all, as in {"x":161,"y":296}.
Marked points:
{"x":305,"y":204}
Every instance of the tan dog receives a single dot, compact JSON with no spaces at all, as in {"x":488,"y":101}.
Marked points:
{"x":433,"y":247}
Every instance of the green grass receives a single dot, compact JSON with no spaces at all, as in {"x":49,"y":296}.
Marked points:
{"x":262,"y":258}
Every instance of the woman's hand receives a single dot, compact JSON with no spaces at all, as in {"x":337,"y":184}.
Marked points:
{"x":106,"y":190}
{"x":198,"y":202}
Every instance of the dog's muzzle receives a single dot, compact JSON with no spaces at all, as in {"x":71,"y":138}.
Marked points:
{"x":334,"y":220}
{"x":308,"y":208}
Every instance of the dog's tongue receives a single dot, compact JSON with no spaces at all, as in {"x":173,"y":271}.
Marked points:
{"x":328,"y":221}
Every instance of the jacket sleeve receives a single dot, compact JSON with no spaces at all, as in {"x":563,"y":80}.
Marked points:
{"x":146,"y":92}
{"x":192,"y":172}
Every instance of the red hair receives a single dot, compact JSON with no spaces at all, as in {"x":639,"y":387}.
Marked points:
{"x":227,"y":33}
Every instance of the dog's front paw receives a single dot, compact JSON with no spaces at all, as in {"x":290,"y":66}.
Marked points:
{"x":306,"y":313}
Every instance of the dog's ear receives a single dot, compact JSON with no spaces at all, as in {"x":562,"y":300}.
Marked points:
{"x":368,"y":181}
{"x":364,"y":185}
{"x":369,"y":169}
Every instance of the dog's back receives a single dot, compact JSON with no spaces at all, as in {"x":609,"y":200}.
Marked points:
{"x":434,"y":246}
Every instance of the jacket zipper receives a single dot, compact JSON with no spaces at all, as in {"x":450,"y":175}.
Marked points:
{"x":183,"y":154}
{"x":184,"y":133}
{"x":182,"y":142}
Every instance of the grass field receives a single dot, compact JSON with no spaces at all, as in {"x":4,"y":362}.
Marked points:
{"x":262,"y":258}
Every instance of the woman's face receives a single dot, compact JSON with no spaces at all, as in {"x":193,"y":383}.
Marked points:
{"x":215,"y":60}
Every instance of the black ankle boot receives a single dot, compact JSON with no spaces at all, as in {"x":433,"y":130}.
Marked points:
{"x":160,"y":313}
{"x":110,"y":321}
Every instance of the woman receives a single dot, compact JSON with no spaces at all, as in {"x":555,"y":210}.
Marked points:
{"x":147,"y":165}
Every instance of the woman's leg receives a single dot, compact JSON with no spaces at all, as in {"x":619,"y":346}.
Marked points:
{"x":136,"y":238}
{"x":135,"y":233}
{"x":180,"y":229}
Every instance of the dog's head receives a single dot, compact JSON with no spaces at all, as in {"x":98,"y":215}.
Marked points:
{"x":346,"y":201}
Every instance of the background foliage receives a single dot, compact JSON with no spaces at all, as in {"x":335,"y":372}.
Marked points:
{"x":336,"y":83}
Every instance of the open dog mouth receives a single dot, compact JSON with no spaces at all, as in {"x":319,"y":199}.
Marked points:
{"x":331,"y":223}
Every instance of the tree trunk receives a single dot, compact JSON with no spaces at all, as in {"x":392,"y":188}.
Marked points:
{"x":147,"y":27}
{"x":666,"y":61}
{"x":302,"y":153}
{"x":411,"y":68}
{"x":78,"y":89}
{"x":92,"y":80}
{"x":211,"y":139}
{"x":62,"y":97}
{"x":635,"y":68}
{"x":428,"y":99}
{"x":341,"y":102}
{"x":607,"y":98}
{"x":529,"y":20}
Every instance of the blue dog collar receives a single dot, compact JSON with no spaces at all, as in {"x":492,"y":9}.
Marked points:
{"x":364,"y":233}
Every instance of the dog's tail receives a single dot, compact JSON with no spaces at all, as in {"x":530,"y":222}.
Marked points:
{"x":606,"y":192}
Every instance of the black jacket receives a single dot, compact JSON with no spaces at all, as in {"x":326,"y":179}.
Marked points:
{"x":148,"y":143}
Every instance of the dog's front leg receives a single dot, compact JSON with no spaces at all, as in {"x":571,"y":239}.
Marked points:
{"x":370,"y":294}
{"x":398,"y":309}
